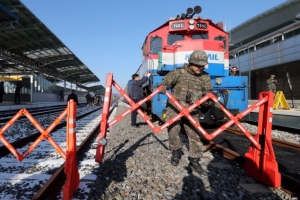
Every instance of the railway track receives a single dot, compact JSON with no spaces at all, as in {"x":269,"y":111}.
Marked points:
{"x":23,"y":180}
{"x":289,"y":184}
{"x":12,"y":112}
{"x":86,"y":152}
{"x":275,"y":141}
{"x":23,"y":129}
{"x":4,"y":118}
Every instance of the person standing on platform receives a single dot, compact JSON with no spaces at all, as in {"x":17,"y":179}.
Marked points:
{"x":88,"y":99}
{"x":189,"y":83}
{"x":137,"y":93}
{"x":18,"y":93}
{"x":271,"y":82}
{"x":92,"y":95}
{"x":100,"y":100}
{"x":61,"y":95}
{"x":233,"y":71}
{"x":1,"y":91}
{"x":116,"y":101}
{"x":73,"y":96}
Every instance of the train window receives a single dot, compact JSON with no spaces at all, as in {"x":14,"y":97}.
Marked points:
{"x":174,"y":37}
{"x":261,"y":45}
{"x":288,"y":34}
{"x":201,"y":36}
{"x":155,"y":45}
{"x":219,"y":38}
{"x":240,"y":53}
{"x":251,"y":49}
{"x":296,"y":31}
{"x":277,"y":39}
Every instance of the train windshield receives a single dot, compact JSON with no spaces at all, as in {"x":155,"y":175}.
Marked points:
{"x":174,"y":37}
{"x":200,"y":36}
{"x":155,"y":45}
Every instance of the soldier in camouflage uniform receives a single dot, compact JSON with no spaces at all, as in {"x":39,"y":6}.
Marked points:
{"x":272,"y":84}
{"x":189,"y":83}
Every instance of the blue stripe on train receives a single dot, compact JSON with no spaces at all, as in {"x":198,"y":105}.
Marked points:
{"x":214,"y":69}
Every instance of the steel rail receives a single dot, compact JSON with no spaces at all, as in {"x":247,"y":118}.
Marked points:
{"x":288,"y":184}
{"x":277,"y":142}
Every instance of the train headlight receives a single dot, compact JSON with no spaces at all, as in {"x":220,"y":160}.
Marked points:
{"x":192,"y":27}
{"x":192,"y":21}
{"x":218,"y":81}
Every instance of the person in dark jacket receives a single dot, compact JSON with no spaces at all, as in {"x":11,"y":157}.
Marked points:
{"x":88,"y":99}
{"x":61,"y":95}
{"x":137,"y":93}
{"x":1,"y":91}
{"x":234,"y":71}
{"x":18,"y":92}
{"x":73,"y":96}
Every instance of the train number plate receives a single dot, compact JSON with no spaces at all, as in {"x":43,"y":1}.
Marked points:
{"x":179,"y":25}
{"x":201,"y":25}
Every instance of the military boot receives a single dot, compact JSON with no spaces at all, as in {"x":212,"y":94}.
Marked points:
{"x":176,"y":155}
{"x":195,"y":166}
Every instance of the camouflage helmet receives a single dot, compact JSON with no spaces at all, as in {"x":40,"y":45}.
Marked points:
{"x":198,"y":57}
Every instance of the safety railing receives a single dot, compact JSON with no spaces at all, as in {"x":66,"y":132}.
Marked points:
{"x":261,"y":161}
{"x":71,"y":168}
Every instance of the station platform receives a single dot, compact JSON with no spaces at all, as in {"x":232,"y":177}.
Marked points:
{"x":281,"y":117}
{"x":11,"y":106}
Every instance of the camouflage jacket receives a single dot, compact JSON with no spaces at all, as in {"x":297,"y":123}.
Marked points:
{"x":271,"y":84}
{"x":182,"y":80}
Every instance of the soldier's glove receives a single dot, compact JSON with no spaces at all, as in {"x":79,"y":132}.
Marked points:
{"x":213,"y":114}
{"x":208,"y":103}
{"x":163,"y":91}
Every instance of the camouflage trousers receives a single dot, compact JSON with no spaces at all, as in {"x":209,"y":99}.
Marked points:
{"x":273,"y":90}
{"x":175,"y":142}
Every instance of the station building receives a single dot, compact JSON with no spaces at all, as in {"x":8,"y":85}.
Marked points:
{"x":31,"y":54}
{"x":266,"y":44}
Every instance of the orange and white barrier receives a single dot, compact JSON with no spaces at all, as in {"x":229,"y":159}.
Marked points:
{"x":261,"y":162}
{"x":71,"y":168}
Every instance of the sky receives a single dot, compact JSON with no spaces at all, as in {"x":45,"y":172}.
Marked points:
{"x":107,"y":35}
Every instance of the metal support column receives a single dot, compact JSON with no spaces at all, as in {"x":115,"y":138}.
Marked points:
{"x":31,"y":88}
{"x":249,"y":73}
{"x":55,"y":89}
{"x":64,"y":88}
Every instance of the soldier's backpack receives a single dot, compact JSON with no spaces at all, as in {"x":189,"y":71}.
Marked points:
{"x":129,"y":84}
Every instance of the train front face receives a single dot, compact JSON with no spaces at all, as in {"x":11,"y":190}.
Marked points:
{"x":170,"y":46}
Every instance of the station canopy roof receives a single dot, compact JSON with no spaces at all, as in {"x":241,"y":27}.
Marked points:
{"x":26,"y":44}
{"x":98,"y":89}
{"x":267,"y":22}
